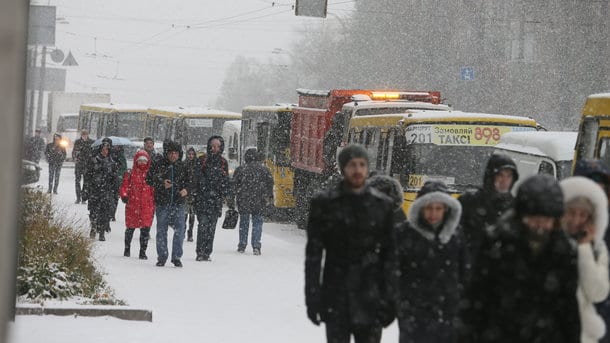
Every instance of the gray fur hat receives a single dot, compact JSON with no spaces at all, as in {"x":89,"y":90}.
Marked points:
{"x":388,"y":186}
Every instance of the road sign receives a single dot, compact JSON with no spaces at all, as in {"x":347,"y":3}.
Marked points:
{"x":54,"y":79}
{"x":467,"y":73}
{"x":311,"y":8}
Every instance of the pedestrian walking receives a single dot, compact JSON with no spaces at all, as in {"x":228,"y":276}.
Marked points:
{"x":192,"y":165}
{"x":482,"y":207}
{"x":348,"y":253}
{"x":56,"y":155}
{"x":34,"y":146}
{"x":170,"y":181}
{"x":138,"y":198}
{"x":212,"y":189}
{"x":118,"y":155}
{"x":149,"y":147}
{"x":525,"y":280}
{"x":253,"y":189}
{"x":432,"y":264}
{"x":102,"y":174}
{"x":598,"y":172}
{"x":81,"y":154}
{"x":585,"y":221}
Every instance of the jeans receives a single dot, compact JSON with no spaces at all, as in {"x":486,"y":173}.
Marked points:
{"x":257,"y":229}
{"x":54,"y":171}
{"x":206,"y":228}
{"x":170,"y":215}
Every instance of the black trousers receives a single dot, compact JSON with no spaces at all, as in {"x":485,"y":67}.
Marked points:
{"x":339,"y":330}
{"x":54,"y":171}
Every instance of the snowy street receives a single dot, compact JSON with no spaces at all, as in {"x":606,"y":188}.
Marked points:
{"x":234,"y":298}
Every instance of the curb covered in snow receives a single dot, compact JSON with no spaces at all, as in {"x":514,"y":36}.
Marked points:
{"x":92,"y":311}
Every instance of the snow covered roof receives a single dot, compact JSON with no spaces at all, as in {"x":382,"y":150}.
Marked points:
{"x":558,"y":145}
{"x":599,"y":95}
{"x":191,"y":112}
{"x":110,"y":107}
{"x":411,"y":116}
{"x":274,"y":108}
{"x":303,"y":91}
{"x":355,"y":105}
{"x":69,"y":115}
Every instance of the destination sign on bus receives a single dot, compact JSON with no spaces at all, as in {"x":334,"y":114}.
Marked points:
{"x":458,"y":134}
{"x":200,"y":122}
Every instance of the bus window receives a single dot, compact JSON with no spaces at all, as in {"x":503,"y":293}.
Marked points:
{"x":128,"y":125}
{"x":604,"y":150}
{"x":546,"y":168}
{"x":94,"y":122}
{"x":382,"y":153}
{"x":588,"y":137}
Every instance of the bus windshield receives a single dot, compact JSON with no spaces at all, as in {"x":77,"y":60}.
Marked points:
{"x":130,"y":125}
{"x":459,"y":167}
{"x":67,"y":123}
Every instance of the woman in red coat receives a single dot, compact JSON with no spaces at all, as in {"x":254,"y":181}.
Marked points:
{"x":139,"y":202}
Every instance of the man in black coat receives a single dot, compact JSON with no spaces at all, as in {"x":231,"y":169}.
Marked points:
{"x":212,"y":189}
{"x":253,"y":186}
{"x":81,"y":153}
{"x":524,"y":284}
{"x":170,"y":179}
{"x":483,"y":207}
{"x":348,"y":251}
{"x":101,"y":179}
{"x":56,"y":155}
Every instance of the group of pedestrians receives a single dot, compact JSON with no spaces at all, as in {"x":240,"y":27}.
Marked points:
{"x":487,"y":267}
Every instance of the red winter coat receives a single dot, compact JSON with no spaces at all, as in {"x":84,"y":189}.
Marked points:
{"x":140,"y":207}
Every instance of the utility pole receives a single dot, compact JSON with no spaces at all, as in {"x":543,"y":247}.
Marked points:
{"x":41,"y":87}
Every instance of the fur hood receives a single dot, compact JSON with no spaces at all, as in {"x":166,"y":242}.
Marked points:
{"x":452,"y":220}
{"x":578,"y":186}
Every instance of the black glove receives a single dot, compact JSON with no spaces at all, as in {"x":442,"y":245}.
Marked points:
{"x":313,"y":313}
{"x":124,"y":200}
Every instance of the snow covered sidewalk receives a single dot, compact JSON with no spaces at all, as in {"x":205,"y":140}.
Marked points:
{"x":235,"y":298}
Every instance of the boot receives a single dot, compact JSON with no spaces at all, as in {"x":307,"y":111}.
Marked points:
{"x":128,"y":237}
{"x":144,"y":236}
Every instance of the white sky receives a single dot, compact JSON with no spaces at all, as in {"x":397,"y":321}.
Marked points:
{"x":165,"y":52}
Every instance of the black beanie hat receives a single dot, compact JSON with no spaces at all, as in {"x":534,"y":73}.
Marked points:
{"x":349,"y":152}
{"x":539,"y":195}
{"x":172,"y":146}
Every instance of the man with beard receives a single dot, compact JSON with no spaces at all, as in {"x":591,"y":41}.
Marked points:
{"x":524,"y":284}
{"x":483,"y":207}
{"x":348,"y":253}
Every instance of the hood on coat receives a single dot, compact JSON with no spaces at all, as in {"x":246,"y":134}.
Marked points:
{"x":222,"y":145}
{"x":579,"y":186}
{"x":141,"y":153}
{"x":495,"y":164}
{"x":451,"y":220}
{"x":388,"y":186}
{"x":539,"y":195}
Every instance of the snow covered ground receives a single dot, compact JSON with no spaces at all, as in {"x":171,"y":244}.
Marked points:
{"x":234,"y":298}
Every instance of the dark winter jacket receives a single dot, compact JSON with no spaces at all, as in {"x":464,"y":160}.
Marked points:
{"x":432,"y":264}
{"x":212,"y":182}
{"x":253,"y":185}
{"x":517,"y":295}
{"x":347,"y":256}
{"x":55,"y":154}
{"x":102,"y":176}
{"x":192,"y":167}
{"x":482,"y":208}
{"x":140,"y":206}
{"x":81,"y":153}
{"x":176,"y":172}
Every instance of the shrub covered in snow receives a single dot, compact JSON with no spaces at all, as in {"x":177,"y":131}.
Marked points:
{"x":55,"y":260}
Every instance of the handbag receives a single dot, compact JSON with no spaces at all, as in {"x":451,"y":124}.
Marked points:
{"x":230,"y":221}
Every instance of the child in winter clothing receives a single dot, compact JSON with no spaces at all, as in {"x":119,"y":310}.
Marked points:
{"x":138,"y":197}
{"x":431,"y":262}
{"x":585,"y":221}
